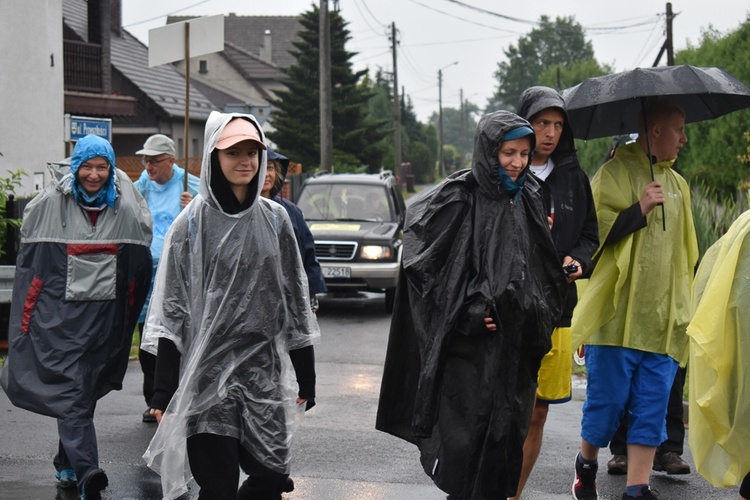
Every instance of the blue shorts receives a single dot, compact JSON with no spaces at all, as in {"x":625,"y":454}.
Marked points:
{"x":618,"y":376}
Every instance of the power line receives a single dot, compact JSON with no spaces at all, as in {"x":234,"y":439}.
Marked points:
{"x":643,"y":52}
{"x":372,"y":15}
{"x":451,"y":42}
{"x":462,"y":19}
{"x":496,"y":14}
{"x":364,"y":18}
{"x":168,"y":14}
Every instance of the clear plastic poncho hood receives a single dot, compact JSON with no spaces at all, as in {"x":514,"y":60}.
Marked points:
{"x":232,"y":295}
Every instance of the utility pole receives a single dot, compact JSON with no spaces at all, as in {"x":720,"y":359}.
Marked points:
{"x":396,"y":113}
{"x":326,"y":108}
{"x":441,"y":165}
{"x":668,"y":46}
{"x":441,"y":155}
{"x":668,"y":43}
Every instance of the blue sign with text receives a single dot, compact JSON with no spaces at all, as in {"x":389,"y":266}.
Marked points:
{"x":78,"y":127}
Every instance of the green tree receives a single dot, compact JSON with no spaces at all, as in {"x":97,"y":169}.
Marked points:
{"x":356,"y":135}
{"x":459,"y":126}
{"x":535,"y":60}
{"x":420,"y":144}
{"x":711,"y":154}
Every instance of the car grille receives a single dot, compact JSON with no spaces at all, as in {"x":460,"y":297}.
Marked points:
{"x":335,"y":250}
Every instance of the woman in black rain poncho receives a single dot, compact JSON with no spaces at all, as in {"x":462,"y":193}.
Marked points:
{"x":231,"y":318}
{"x":480,"y":289}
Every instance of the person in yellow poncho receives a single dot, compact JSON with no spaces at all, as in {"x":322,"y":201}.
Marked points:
{"x":635,"y":310}
{"x":719,"y":354}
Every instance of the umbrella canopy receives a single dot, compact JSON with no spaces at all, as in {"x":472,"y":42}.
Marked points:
{"x":609,"y":105}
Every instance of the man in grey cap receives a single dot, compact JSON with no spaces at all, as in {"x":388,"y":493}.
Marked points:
{"x":162,"y":185}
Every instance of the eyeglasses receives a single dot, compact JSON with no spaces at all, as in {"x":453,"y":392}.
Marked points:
{"x":153,"y":161}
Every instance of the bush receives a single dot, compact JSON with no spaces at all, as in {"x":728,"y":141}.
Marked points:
{"x":8,"y":187}
{"x":712,"y":215}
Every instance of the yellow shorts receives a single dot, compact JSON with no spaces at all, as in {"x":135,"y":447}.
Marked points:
{"x":556,"y":370}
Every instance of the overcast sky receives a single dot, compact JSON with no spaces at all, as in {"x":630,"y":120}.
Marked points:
{"x":434,"y":34}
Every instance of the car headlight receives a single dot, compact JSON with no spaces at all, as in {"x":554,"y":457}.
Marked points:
{"x":376,"y":252}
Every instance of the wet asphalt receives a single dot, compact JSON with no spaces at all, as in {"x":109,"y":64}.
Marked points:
{"x":337,"y":453}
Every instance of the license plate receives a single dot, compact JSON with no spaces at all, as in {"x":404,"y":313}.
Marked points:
{"x":337,"y":272}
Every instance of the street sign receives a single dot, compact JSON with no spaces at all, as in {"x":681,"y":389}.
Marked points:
{"x":78,"y":127}
{"x":167,"y":43}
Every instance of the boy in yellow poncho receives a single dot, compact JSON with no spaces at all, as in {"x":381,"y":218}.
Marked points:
{"x":636,"y":308}
{"x":719,"y":354}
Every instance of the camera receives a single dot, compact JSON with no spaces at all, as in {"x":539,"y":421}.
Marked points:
{"x":570,"y":269}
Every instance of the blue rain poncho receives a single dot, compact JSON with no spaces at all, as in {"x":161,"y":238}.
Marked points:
{"x":164,"y":203}
{"x":231,"y":294}
{"x":720,"y":359}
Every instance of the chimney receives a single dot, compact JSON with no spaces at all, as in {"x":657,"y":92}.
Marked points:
{"x":116,"y":17}
{"x":266,"y":52}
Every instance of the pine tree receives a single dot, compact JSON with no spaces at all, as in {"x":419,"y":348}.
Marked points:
{"x":297,"y":117}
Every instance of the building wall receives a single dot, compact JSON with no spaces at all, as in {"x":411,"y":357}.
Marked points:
{"x":220,"y":75}
{"x":31,"y":79}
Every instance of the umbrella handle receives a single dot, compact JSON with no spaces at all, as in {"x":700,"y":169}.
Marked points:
{"x":651,"y":159}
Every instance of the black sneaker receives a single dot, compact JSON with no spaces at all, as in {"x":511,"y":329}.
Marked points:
{"x":93,"y":485}
{"x":646,"y":494}
{"x":671,"y":463}
{"x":584,"y":485}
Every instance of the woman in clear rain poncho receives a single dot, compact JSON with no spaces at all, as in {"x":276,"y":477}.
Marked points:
{"x":231,"y":318}
{"x":479,"y":293}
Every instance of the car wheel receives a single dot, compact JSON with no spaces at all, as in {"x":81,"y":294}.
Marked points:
{"x":390,"y":299}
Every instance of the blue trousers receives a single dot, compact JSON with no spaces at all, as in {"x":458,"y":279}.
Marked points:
{"x":77,"y":448}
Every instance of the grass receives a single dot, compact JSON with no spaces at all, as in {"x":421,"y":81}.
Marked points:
{"x":136,"y":343}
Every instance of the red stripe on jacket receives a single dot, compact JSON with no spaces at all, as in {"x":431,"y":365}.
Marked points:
{"x":28,"y":306}
{"x":88,"y":248}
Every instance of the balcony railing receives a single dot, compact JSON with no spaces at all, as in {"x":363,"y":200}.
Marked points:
{"x":83,"y":66}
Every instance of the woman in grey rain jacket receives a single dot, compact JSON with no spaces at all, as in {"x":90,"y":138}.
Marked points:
{"x":229,"y":317}
{"x":82,"y":273}
{"x":477,"y":250}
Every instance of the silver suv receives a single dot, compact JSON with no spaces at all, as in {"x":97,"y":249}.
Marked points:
{"x":357,"y":221}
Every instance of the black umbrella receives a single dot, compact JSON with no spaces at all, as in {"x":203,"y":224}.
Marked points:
{"x":609,"y":105}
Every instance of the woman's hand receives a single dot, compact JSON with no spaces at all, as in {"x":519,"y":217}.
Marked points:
{"x":489,"y":323}
{"x":158,"y":414}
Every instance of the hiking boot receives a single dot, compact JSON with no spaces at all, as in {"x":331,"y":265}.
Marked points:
{"x":147,"y":417}
{"x":67,"y":478}
{"x":618,"y":465}
{"x":671,"y":463}
{"x":584,"y":485}
{"x":93,"y":485}
{"x":646,"y":494}
{"x":288,"y":485}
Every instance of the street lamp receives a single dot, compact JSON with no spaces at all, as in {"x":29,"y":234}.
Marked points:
{"x":441,"y":160}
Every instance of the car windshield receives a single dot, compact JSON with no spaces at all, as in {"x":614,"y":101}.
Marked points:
{"x":328,"y":201}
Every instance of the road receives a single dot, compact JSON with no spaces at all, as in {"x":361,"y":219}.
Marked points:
{"x":337,"y":452}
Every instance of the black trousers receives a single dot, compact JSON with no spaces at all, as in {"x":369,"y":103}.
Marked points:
{"x":148,"y":367}
{"x":215,"y":462}
{"x":675,"y":425}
